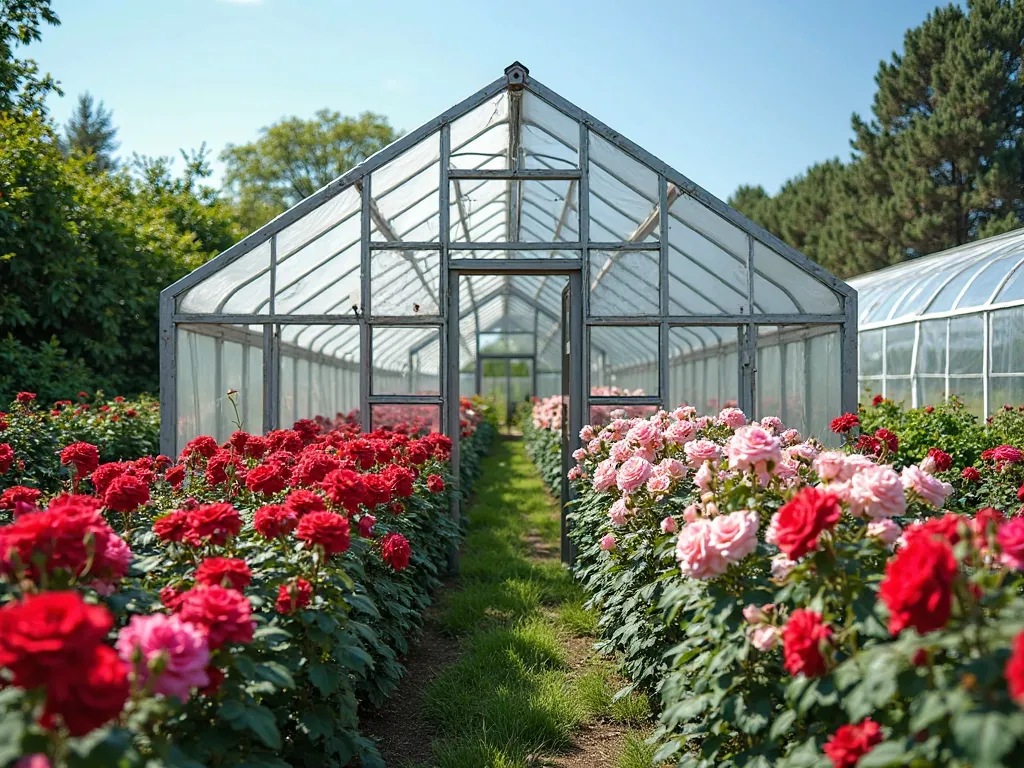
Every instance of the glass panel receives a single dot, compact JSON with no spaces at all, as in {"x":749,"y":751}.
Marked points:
{"x":625,"y":283}
{"x":966,"y":344}
{"x":213,"y":360}
{"x":703,"y":367}
{"x":505,"y":342}
{"x":971,"y":389}
{"x":943,"y":302}
{"x":500,"y":253}
{"x":1006,"y":390}
{"x":1014,"y":288}
{"x":870,"y":343}
{"x":707,"y":262}
{"x":547,"y":211}
{"x":869,"y":387}
{"x":991,"y":274}
{"x":480,"y":138}
{"x":406,"y":360}
{"x":898,"y":390}
{"x":899,"y":349}
{"x":412,"y":419}
{"x":623,"y":196}
{"x":931,"y":390}
{"x":824,"y":380}
{"x":931,"y":349}
{"x":624,"y":357}
{"x":1007,"y":340}
{"x":798,"y":376}
{"x":406,"y":194}
{"x":600,"y":415}
{"x":782,"y":286}
{"x":405,"y":283}
{"x":550,"y":138}
{"x":319,"y":375}
{"x":243,"y":286}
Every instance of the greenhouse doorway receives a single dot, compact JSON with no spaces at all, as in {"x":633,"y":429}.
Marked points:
{"x":509,"y":381}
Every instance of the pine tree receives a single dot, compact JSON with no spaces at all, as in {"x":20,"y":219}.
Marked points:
{"x":91,"y":131}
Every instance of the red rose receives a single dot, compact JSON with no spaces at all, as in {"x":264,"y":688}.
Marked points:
{"x":844,"y":423}
{"x":802,"y":519}
{"x":929,"y":409}
{"x":49,"y":636}
{"x":255,"y":447}
{"x":217,"y":467}
{"x":284,"y":440}
{"x":64,"y":537}
{"x":6,"y":458}
{"x":25,"y":397}
{"x":917,"y":588}
{"x":227,"y":572}
{"x":378,"y":490}
{"x":1010,"y":538}
{"x":1014,"y":670}
{"x":946,"y":528}
{"x":394,"y":548}
{"x":868,"y":445}
{"x":417,"y":453}
{"x":971,"y":475}
{"x":984,"y":520}
{"x":941,"y":459}
{"x":851,"y":742}
{"x":302,"y":502}
{"x":1006,"y":454}
{"x":84,"y":457}
{"x":224,"y":614}
{"x":293,"y":596}
{"x":204,"y":445}
{"x":19,"y":494}
{"x":175,"y":476}
{"x":366,"y":523}
{"x":126,"y":493}
{"x":172,"y":526}
{"x":238,"y":440}
{"x":267,"y":479}
{"x":891,"y":441}
{"x":213,"y":523}
{"x":805,"y":638}
{"x":400,"y":479}
{"x":307,"y":429}
{"x":93,"y":696}
{"x":274,"y":521}
{"x":324,"y":529}
{"x":104,"y":474}
{"x":877,"y":400}
{"x":435,"y":483}
{"x":313,"y":467}
{"x":171,"y":597}
{"x":345,"y":488}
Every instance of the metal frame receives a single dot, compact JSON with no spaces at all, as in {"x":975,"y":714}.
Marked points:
{"x":503,"y":206}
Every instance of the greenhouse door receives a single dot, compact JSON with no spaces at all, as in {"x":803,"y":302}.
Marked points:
{"x":508,"y":381}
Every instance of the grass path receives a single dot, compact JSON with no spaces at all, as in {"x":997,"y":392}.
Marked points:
{"x":523,"y":688}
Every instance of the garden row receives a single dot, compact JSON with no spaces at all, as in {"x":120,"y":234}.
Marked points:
{"x":789,"y":605}
{"x":236,"y":606}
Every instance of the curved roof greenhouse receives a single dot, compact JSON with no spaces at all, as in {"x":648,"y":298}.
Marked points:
{"x":947,"y":324}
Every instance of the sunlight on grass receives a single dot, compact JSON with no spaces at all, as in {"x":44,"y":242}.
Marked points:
{"x":635,"y":752}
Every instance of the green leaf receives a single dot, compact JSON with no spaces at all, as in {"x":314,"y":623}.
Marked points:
{"x":260,"y":721}
{"x":325,"y":678}
{"x":273,"y":672}
{"x":885,"y":755}
{"x":363,"y":604}
{"x":985,"y":736}
{"x":782,"y":724}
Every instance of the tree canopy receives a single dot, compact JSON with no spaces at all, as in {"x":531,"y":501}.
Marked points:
{"x":293,"y":158}
{"x":90,"y":132}
{"x":939,"y":163}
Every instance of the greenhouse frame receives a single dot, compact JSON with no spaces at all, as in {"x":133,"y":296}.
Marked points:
{"x":951,"y":323}
{"x":513,"y":226}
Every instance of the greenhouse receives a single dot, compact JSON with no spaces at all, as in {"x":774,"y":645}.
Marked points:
{"x":947,"y":324}
{"x":513,"y":246}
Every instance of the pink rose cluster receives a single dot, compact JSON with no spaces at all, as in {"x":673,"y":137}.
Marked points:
{"x":705,"y":548}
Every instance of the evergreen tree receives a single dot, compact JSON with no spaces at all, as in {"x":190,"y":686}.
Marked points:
{"x":90,"y":131}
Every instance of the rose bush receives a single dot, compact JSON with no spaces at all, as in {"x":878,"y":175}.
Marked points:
{"x":158,"y":612}
{"x":792,"y":605}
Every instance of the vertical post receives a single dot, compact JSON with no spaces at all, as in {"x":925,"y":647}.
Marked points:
{"x":663,"y":347}
{"x":220,"y":399}
{"x":986,"y":359}
{"x":365,"y":342}
{"x":577,"y":357}
{"x":579,"y":297}
{"x":168,"y":377}
{"x":748,"y":355}
{"x":269,"y":374}
{"x":452,"y":405}
{"x":848,"y":356}
{"x":914,"y":358}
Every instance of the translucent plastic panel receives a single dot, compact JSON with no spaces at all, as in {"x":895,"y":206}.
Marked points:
{"x":343,"y":207}
{"x":972,"y":391}
{"x":966,"y":344}
{"x":549,"y":138}
{"x":406,"y":195}
{"x":405,"y":283}
{"x":467,"y":384}
{"x":213,"y":360}
{"x":480,"y":134}
{"x":869,"y":387}
{"x":411,"y":419}
{"x":824,"y":378}
{"x":600,"y":415}
{"x":625,"y":357}
{"x":701,"y":219}
{"x":931,"y":390}
{"x":1006,"y":390}
{"x":898,"y":390}
{"x":406,"y":361}
{"x":548,"y":384}
{"x":707,"y":262}
{"x":782,"y":286}
{"x":500,"y":253}
{"x":242,"y":287}
{"x":623,"y":195}
{"x":1006,"y":341}
{"x":695,"y":289}
{"x":544,"y":211}
{"x":946,"y":297}
{"x":1013,"y":289}
{"x":319,"y":374}
{"x":703,"y":367}
{"x":931,"y":349}
{"x":988,"y":277}
{"x":624,"y":283}
{"x":322,"y":276}
{"x":479,"y":211}
{"x":899,"y":349}
{"x":870,"y":344}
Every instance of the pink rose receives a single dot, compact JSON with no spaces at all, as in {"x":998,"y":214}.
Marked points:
{"x":618,"y":512}
{"x":668,"y":525}
{"x":876,"y":491}
{"x":684,"y":412}
{"x":771,"y":533}
{"x":703,"y":478}
{"x":781,"y":566}
{"x":735,"y":535}
{"x":801,"y":451}
{"x":690,"y":513}
{"x":699,"y":451}
{"x":647,"y":454}
{"x":678,"y":432}
{"x":575,"y":473}
{"x":645,"y":433}
{"x":829,"y":465}
{"x":594,"y":447}
{"x":604,"y":475}
{"x":772,"y":423}
{"x":928,"y":488}
{"x":753,"y":449}
{"x":608,"y":543}
{"x":885,"y":530}
{"x":753,"y":614}
{"x":1010,"y":538}
{"x":633,"y":474}
{"x":696,"y":556}
{"x":621,"y":451}
{"x":587,"y":433}
{"x":658,"y":483}
{"x":701,"y":423}
{"x":733,"y":418}
{"x":579,"y":454}
{"x":790,"y":436}
{"x":674,"y":468}
{"x":179,"y":646}
{"x":764,"y":637}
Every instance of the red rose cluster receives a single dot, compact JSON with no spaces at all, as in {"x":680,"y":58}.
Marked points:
{"x":802,"y":519}
{"x":845,"y":423}
{"x":394,"y":548}
{"x":851,"y":742}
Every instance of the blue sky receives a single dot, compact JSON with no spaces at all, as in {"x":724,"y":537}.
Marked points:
{"x":726,"y":91}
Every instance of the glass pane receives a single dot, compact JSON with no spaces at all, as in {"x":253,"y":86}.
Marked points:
{"x":898,"y":390}
{"x":824,"y":381}
{"x":703,"y":367}
{"x":1007,"y":340}
{"x":545,"y":211}
{"x":966,"y":344}
{"x":931,"y":350}
{"x":623,"y":196}
{"x":930,"y":390}
{"x":411,"y":419}
{"x":323,"y":276}
{"x":869,"y":387}
{"x":319,"y":375}
{"x":406,"y":196}
{"x":406,"y":360}
{"x":870,"y":343}
{"x":550,"y":138}
{"x":971,"y":389}
{"x":479,"y":139}
{"x":501,"y":253}
{"x":243,"y":287}
{"x":624,"y":357}
{"x":899,"y":349}
{"x":707,"y":262}
{"x":782,"y":286}
{"x":624,"y":283}
{"x":405,"y":283}
{"x":600,"y":415}
{"x":1006,"y":390}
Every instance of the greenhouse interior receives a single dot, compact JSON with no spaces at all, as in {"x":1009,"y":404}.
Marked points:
{"x":947,"y":324}
{"x":514,"y":246}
